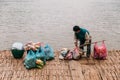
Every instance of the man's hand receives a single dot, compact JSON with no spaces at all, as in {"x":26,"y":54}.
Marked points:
{"x":86,"y":43}
{"x":76,"y":44}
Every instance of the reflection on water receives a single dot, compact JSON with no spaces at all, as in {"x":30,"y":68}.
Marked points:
{"x":51,"y":21}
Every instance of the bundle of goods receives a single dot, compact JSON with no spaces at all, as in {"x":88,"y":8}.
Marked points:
{"x":70,"y":54}
{"x":100,"y":52}
{"x":49,"y":53}
{"x":63,"y":53}
{"x":32,"y":46}
{"x":77,"y":53}
{"x":37,"y":55}
{"x":40,"y":54}
{"x":30,"y":60}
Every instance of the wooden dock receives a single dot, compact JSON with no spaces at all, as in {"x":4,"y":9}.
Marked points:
{"x":83,"y":69}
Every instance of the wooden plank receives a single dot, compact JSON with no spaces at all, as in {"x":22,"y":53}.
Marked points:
{"x":91,"y":61}
{"x":101,"y":72}
{"x":76,"y":70}
{"x":83,"y":69}
{"x":52,"y":77}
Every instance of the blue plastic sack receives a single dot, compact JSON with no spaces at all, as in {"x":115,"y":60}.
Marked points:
{"x":41,"y":55}
{"x":30,"y":60}
{"x":49,"y":53}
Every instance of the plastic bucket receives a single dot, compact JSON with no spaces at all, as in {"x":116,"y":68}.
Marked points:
{"x":17,"y":53}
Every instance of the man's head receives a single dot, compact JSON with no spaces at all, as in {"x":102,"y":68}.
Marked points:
{"x":76,"y":28}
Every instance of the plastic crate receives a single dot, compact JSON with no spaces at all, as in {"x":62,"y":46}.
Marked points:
{"x":17,"y":53}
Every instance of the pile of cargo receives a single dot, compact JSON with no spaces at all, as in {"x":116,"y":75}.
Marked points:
{"x":37,"y":53}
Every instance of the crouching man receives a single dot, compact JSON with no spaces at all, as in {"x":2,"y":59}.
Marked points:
{"x":83,"y":37}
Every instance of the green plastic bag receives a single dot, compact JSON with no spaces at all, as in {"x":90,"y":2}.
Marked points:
{"x":41,"y":55}
{"x":30,"y":60}
{"x":49,"y":53}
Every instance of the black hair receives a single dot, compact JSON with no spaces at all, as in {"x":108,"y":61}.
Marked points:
{"x":76,"y":28}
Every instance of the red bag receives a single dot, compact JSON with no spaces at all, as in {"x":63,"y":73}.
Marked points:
{"x":76,"y":53}
{"x":100,"y":52}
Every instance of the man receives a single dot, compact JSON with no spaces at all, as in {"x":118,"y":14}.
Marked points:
{"x":84,"y":37}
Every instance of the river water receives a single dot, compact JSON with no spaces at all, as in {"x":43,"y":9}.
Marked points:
{"x":51,"y":21}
